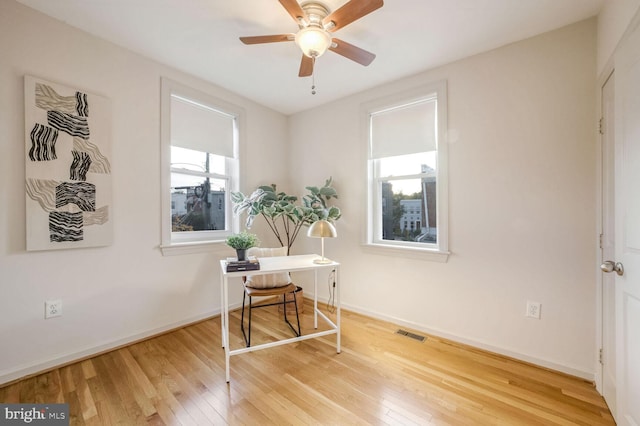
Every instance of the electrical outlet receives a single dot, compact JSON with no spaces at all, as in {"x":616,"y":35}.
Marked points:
{"x":52,"y":308}
{"x":533,"y":309}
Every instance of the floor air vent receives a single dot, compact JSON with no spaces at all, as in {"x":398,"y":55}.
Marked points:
{"x":413,"y":336}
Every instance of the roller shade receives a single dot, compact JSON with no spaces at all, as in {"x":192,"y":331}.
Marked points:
{"x":404,"y":130}
{"x":201,"y":128}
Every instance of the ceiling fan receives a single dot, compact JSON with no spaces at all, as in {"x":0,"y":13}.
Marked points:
{"x":316,"y":25}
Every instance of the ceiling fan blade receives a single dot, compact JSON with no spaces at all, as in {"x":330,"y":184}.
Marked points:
{"x":306,"y":66}
{"x":351,"y":11}
{"x":352,"y":52}
{"x":267,"y":38}
{"x":294,"y":9}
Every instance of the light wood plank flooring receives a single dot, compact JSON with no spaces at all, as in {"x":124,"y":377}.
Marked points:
{"x":379,"y":378}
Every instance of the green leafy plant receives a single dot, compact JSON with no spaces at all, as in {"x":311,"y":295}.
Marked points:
{"x":282,"y":212}
{"x":242,"y":241}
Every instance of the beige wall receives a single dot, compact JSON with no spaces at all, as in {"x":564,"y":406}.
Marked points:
{"x":114,"y":294}
{"x":522,"y":150}
{"x":522,"y":179}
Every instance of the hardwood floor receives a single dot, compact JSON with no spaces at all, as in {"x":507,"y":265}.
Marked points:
{"x":380,"y":377}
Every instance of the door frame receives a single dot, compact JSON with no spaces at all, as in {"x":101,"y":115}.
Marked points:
{"x":602,"y":79}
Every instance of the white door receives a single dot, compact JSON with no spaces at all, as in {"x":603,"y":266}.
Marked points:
{"x":627,"y":224}
{"x":608,"y":354}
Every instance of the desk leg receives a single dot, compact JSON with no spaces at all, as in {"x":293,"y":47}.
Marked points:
{"x":225,"y":286}
{"x":338,"y":349}
{"x":315,"y":299}
{"x":224,"y":319}
{"x":222,"y":338}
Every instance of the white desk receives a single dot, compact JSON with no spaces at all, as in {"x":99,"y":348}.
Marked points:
{"x":269,"y":265}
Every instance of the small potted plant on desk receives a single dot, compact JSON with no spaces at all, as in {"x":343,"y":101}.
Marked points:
{"x":241,"y":243}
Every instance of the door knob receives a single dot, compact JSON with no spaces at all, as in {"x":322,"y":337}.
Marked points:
{"x":610,"y":266}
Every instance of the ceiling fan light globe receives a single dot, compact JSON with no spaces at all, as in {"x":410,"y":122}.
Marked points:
{"x":313,"y":41}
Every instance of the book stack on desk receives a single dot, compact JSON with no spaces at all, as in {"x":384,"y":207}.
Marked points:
{"x":235,"y":265}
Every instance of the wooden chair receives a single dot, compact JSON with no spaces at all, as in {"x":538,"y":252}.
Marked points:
{"x":268,"y":285}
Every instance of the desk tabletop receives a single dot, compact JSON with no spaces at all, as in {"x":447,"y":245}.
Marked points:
{"x":273,"y":264}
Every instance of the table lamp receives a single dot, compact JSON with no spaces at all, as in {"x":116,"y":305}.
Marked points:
{"x":322,"y":229}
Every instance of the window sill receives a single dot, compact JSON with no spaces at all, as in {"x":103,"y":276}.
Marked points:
{"x":408,"y":252}
{"x":193,"y":247}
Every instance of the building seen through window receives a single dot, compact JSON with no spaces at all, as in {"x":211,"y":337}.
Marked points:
{"x":197,"y":200}
{"x":197,"y":208}
{"x":411,"y":216}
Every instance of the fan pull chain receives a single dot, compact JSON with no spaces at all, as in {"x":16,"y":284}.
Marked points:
{"x":313,"y":76}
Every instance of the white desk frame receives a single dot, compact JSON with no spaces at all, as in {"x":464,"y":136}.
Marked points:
{"x":270,"y":265}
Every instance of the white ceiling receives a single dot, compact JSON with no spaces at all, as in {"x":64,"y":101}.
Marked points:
{"x":200,"y":37}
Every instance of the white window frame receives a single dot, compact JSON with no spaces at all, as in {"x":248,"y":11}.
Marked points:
{"x":373,"y":241}
{"x":196,"y":241}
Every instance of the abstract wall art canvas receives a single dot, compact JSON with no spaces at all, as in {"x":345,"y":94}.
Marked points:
{"x":68,"y":167}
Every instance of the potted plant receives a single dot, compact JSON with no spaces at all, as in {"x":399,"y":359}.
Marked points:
{"x":282,"y":212}
{"x":284,"y":215}
{"x":242,"y":242}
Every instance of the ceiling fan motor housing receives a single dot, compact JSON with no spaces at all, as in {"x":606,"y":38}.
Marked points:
{"x":315,"y":11}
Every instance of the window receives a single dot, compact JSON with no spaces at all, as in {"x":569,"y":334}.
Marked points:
{"x":200,"y":138}
{"x":407,"y":176}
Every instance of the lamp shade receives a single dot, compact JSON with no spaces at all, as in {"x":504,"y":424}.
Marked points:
{"x":313,"y":41}
{"x":322,"y":229}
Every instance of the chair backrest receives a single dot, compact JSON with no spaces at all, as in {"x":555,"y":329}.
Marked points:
{"x":269,"y":280}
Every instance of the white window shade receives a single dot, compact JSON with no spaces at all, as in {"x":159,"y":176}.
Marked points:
{"x":201,"y":128}
{"x":405,"y":130}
